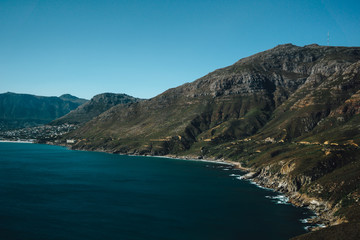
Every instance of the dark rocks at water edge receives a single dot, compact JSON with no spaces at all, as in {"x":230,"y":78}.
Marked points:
{"x":290,"y":114}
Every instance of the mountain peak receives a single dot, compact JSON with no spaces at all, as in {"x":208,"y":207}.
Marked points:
{"x":71,"y":98}
{"x":285,"y":45}
{"x":97,"y":105}
{"x":67,"y":95}
{"x":313,"y":45}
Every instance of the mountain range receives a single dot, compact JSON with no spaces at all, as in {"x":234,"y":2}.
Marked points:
{"x":288,"y":92}
{"x":25,"y":110}
{"x":288,"y":115}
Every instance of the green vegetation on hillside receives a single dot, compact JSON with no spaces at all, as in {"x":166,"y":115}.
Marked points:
{"x":25,"y":110}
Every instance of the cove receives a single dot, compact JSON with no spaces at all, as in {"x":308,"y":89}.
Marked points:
{"x":50,"y":192}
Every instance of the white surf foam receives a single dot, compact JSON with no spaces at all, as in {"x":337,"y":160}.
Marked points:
{"x":321,"y":225}
{"x":234,"y":175}
{"x":279,"y":199}
{"x":259,"y":186}
{"x":237,"y":176}
{"x":307,"y":228}
{"x":304,"y":220}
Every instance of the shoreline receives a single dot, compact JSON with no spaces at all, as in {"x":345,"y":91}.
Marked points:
{"x":250,"y":175}
{"x":315,"y":222}
{"x":17,"y":141}
{"x":235,"y":165}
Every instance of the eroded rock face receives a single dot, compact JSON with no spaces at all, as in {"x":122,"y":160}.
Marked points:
{"x":290,"y":185}
{"x":285,"y":66}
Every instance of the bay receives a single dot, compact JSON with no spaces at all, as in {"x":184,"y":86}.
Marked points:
{"x":50,"y":192}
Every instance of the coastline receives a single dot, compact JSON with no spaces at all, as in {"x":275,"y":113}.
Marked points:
{"x":202,"y":182}
{"x":324,"y":211}
{"x":314,"y":222}
{"x":236,"y":165}
{"x":255,"y":176}
{"x":18,"y":141}
{"x":317,"y":221}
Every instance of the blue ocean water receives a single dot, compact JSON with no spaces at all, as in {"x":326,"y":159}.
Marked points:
{"x":50,"y":192}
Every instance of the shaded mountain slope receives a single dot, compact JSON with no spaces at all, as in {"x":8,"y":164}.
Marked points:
{"x":25,"y":110}
{"x":97,"y":105}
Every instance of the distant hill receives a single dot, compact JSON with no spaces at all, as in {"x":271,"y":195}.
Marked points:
{"x":97,"y":105}
{"x":71,"y":98}
{"x":25,"y":110}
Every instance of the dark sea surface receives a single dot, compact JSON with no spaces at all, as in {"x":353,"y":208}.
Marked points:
{"x":50,"y":192}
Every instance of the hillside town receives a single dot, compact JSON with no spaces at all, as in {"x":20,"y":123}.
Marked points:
{"x":37,"y":134}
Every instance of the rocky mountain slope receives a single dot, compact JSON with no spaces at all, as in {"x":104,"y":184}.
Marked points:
{"x":289,"y":114}
{"x":97,"y":105}
{"x":25,"y":110}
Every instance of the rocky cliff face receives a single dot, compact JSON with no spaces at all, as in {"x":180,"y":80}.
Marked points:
{"x":25,"y":110}
{"x":291,"y":114}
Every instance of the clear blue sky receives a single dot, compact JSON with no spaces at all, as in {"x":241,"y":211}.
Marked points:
{"x":142,"y":48}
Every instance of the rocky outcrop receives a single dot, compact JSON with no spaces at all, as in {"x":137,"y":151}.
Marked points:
{"x":291,"y":186}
